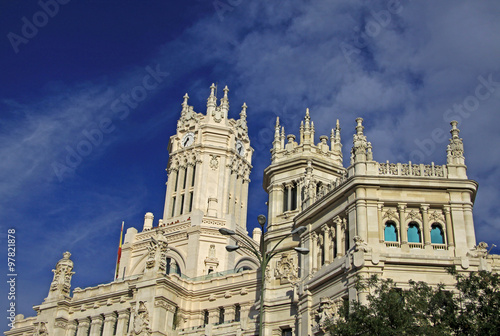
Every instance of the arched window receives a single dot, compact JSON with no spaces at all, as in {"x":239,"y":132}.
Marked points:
{"x":390,"y":232}
{"x":413,"y":233}
{"x":437,"y":235}
{"x":221,"y":315}
{"x":237,"y":313}
{"x":205,"y":317}
{"x":243,"y":268}
{"x":172,"y":267}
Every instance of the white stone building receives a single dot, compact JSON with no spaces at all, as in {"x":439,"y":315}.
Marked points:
{"x":399,"y":220}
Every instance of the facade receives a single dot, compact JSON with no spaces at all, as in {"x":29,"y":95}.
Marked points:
{"x":398,"y":220}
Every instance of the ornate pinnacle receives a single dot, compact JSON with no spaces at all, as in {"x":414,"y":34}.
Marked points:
{"x":337,"y":132}
{"x":359,"y":127}
{"x":307,"y":120}
{"x":244,"y":109}
{"x":212,"y":100}
{"x":226,"y":90}
{"x":454,"y":130}
{"x":186,"y":97}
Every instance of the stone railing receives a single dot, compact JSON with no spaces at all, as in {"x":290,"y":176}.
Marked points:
{"x":326,"y":189}
{"x":409,"y":169}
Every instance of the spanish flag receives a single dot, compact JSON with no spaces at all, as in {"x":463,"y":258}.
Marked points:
{"x":119,"y":253}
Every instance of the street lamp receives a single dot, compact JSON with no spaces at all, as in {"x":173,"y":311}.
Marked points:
{"x":262,"y":255}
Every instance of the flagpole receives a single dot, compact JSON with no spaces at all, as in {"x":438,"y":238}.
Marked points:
{"x":119,"y":252}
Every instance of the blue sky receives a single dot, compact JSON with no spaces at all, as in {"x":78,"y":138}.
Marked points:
{"x":407,"y":68}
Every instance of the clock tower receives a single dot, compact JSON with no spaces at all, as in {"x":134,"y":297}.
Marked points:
{"x":207,"y":184}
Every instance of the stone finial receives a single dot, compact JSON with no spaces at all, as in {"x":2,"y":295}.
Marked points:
{"x":61,"y":282}
{"x":454,"y":130}
{"x":186,"y":97}
{"x":360,"y":145}
{"x":148,"y":221}
{"x":307,"y":120}
{"x":212,"y":90}
{"x":359,"y":127}
{"x":277,"y":133}
{"x":455,"y":150}
{"x":212,"y":100}
{"x":243,"y":110}
{"x":226,"y":90}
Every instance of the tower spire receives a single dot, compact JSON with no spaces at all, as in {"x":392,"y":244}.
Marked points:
{"x":212,"y":100}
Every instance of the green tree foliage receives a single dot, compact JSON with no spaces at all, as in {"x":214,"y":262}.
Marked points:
{"x":472,"y":308}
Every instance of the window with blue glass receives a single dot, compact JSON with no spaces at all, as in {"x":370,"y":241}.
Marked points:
{"x":413,"y":233}
{"x":437,"y":234}
{"x":390,"y":232}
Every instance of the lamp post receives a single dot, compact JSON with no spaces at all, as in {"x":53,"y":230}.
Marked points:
{"x":262,"y":255}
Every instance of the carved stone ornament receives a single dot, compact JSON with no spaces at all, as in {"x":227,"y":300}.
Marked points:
{"x":41,"y":330}
{"x":214,"y":162}
{"x":414,"y":215}
{"x":360,"y":245}
{"x":157,"y":252}
{"x":390,"y":214}
{"x":217,"y":114}
{"x":62,"y":275}
{"x":479,"y":251}
{"x":436,"y":216}
{"x":327,"y":310}
{"x":141,"y":321}
{"x":286,"y":270}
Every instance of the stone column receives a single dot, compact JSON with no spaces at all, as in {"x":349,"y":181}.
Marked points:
{"x":326,"y":243}
{"x":275,"y":201}
{"x":244,"y":201}
{"x":83,"y":327}
{"x":314,"y":251}
{"x":289,"y":187}
{"x":402,"y":219}
{"x":123,"y":322}
{"x":361,"y":222}
{"x":469,"y":226}
{"x":213,"y":316}
{"x":381,"y":228}
{"x":226,"y":187}
{"x":449,"y":226}
{"x":237,"y":199}
{"x":188,"y":184}
{"x":71,"y":328}
{"x":96,"y":325}
{"x":229,"y":313}
{"x":172,"y":177}
{"x":60,"y":327}
{"x":338,"y":236}
{"x":158,"y":316}
{"x":300,"y":185}
{"x":424,"y":208}
{"x":181,"y":174}
{"x":109,"y":324}
{"x":232,"y":189}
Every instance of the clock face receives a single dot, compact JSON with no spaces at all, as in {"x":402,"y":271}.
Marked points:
{"x":187,"y":140}
{"x":240,"y":149}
